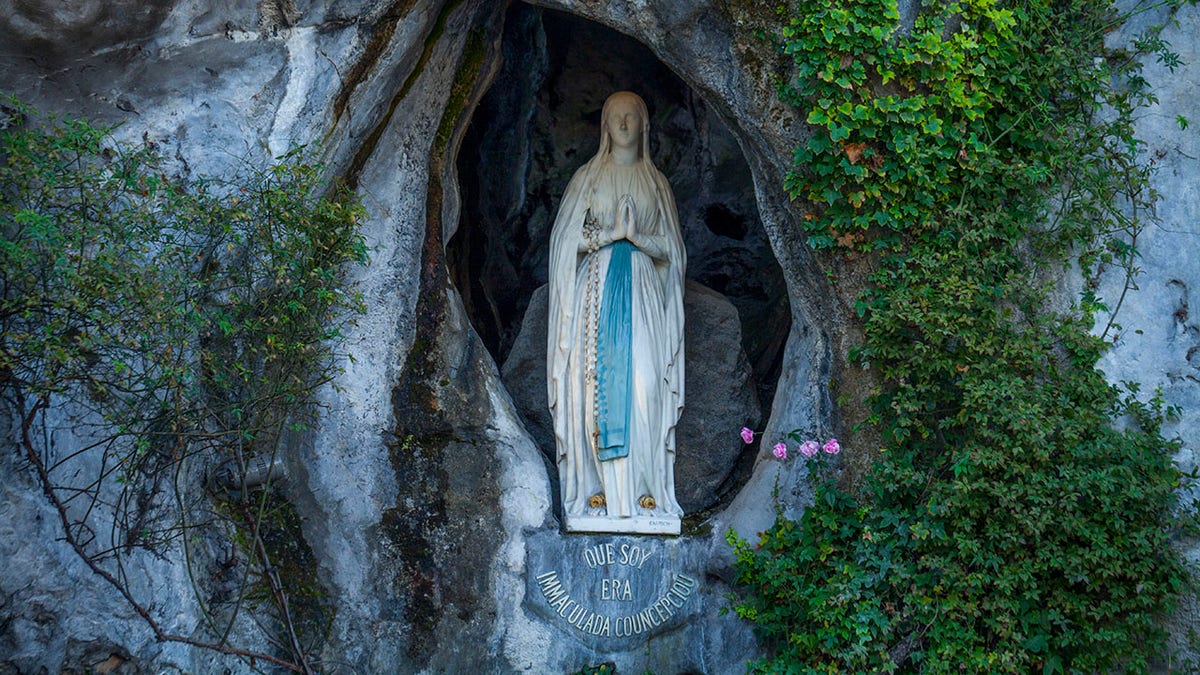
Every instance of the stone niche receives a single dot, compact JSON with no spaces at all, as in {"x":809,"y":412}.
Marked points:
{"x":536,"y":125}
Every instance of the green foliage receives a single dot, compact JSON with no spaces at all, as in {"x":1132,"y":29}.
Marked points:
{"x":173,"y":320}
{"x":215,"y":300}
{"x":819,"y":586}
{"x":978,"y":104}
{"x":1020,"y":518}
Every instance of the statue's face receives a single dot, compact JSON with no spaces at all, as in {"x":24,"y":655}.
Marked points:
{"x":625,"y":123}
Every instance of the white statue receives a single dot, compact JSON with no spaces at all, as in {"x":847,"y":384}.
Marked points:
{"x":615,"y":343}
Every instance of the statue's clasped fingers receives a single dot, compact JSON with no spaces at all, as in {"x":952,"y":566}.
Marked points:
{"x":627,"y":214}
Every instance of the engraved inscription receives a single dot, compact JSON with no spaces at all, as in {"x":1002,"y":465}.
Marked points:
{"x":615,"y":589}
{"x":624,"y":625}
{"x":629,"y":555}
{"x":578,"y":616}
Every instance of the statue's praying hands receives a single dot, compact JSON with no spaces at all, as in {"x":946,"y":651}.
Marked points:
{"x":626,"y":218}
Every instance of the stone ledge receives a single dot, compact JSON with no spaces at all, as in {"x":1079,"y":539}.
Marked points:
{"x":631,"y":525}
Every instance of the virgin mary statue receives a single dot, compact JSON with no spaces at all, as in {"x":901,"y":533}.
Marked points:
{"x":615,"y":343}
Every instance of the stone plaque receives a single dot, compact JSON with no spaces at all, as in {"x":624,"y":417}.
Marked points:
{"x":611,"y":591}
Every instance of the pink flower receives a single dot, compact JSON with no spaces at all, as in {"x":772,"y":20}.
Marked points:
{"x":832,"y":447}
{"x":809,"y":448}
{"x":747,"y":435}
{"x":780,"y":450}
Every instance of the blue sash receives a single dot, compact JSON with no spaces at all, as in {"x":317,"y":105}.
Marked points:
{"x":614,"y":360}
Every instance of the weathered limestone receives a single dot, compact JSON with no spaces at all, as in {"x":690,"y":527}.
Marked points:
{"x":1156,"y":335}
{"x":423,"y":492}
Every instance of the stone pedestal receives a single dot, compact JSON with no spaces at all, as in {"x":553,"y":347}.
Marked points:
{"x":631,"y":525}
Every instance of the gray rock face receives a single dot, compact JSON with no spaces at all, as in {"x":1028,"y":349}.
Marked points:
{"x":720,"y":399}
{"x":1156,"y":331}
{"x":52,"y":29}
{"x":524,"y":374}
{"x":423,"y":494}
{"x":408,"y":553}
{"x":719,"y":395}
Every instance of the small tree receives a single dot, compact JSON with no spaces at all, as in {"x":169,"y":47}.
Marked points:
{"x":183,"y":329}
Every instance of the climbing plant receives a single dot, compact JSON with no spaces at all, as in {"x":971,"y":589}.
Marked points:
{"x":159,"y":340}
{"x":1021,"y":515}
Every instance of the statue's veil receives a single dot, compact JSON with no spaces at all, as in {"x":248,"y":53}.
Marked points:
{"x":603,"y":154}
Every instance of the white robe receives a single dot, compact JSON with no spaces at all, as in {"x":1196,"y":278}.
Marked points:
{"x":657,"y":343}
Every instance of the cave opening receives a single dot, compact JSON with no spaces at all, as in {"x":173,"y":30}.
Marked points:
{"x":538,"y":122}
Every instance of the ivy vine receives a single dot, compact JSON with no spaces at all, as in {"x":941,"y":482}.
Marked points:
{"x":1020,"y":518}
